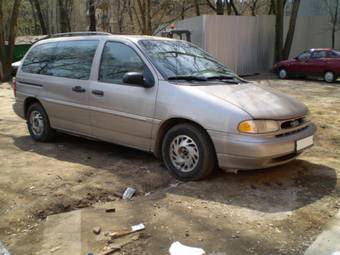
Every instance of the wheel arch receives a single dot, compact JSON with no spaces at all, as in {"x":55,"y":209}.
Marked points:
{"x":167,"y":125}
{"x":28,"y":102}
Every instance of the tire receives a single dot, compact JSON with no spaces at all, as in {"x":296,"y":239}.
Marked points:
{"x":188,"y":153}
{"x":38,"y":124}
{"x":282,"y":73}
{"x":329,"y":77}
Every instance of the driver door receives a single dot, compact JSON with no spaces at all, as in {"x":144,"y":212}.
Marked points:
{"x":122,"y":113}
{"x":301,"y":64}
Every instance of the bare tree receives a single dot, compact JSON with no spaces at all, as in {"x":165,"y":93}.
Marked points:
{"x":219,"y":7}
{"x":197,"y":7}
{"x":253,"y":7}
{"x":6,"y":56}
{"x":333,"y":10}
{"x":291,"y":30}
{"x":279,"y":7}
{"x":92,"y":15}
{"x":41,"y":19}
{"x":65,"y":10}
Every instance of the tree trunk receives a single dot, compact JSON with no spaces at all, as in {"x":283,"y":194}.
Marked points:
{"x":219,"y":7}
{"x":148,"y":18}
{"x":7,"y":57}
{"x":2,"y":41}
{"x":42,"y":22}
{"x":278,"y":30}
{"x":253,"y":8}
{"x":335,"y":22}
{"x":234,"y":7}
{"x":291,"y":30}
{"x":64,"y":16}
{"x":229,"y":8}
{"x":92,"y":14}
{"x":271,"y":8}
{"x":197,"y":7}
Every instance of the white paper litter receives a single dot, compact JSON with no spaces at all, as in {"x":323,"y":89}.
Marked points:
{"x":3,"y":250}
{"x":137,"y":227}
{"x":177,"y":248}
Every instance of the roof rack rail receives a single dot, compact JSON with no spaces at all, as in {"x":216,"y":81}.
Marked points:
{"x":77,"y":34}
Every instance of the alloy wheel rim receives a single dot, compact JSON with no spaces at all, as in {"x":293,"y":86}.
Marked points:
{"x":36,"y":123}
{"x":184,"y":153}
{"x":329,"y":77}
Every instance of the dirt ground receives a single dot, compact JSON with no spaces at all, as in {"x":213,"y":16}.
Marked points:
{"x":274,"y":211}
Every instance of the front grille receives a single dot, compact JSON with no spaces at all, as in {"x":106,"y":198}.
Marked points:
{"x":292,"y":123}
{"x":292,"y":132}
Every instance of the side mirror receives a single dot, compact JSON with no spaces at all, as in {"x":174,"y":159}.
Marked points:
{"x":137,"y":79}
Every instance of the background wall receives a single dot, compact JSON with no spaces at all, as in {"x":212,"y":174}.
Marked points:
{"x":246,"y":43}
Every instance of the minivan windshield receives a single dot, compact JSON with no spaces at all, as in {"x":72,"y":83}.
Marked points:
{"x":180,"y":60}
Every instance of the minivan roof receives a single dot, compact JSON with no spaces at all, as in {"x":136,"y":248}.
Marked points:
{"x":133,"y":38}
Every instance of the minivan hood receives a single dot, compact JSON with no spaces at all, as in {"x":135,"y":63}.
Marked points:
{"x":258,"y":102}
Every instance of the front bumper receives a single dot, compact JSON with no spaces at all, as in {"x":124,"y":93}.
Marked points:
{"x":254,"y":152}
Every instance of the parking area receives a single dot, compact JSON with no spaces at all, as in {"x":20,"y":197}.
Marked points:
{"x":279,"y":210}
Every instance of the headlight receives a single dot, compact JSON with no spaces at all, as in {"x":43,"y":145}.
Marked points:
{"x":258,"y":126}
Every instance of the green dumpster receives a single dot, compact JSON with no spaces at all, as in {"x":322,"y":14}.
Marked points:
{"x":20,"y":51}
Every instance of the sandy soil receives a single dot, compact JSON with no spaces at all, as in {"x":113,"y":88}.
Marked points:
{"x":274,"y":211}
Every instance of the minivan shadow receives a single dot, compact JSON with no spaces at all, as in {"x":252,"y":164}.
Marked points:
{"x":278,"y":189}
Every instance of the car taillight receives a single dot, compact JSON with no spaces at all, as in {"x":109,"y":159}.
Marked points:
{"x":14,"y":87}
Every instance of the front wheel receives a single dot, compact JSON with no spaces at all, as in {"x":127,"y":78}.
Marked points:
{"x":38,"y":124}
{"x":329,"y":77}
{"x":188,"y":152}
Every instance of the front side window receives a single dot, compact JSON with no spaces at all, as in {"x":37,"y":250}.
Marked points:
{"x":177,"y":59}
{"x":304,"y":56}
{"x":74,"y":59}
{"x":39,"y":59}
{"x":117,"y":60}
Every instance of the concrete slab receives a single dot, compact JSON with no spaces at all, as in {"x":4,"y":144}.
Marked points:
{"x":328,"y":242}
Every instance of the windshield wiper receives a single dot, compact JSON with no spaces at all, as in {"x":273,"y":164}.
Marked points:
{"x":188,"y":78}
{"x":226,"y":78}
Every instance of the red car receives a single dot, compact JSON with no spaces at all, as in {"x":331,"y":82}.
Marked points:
{"x":314,"y":62}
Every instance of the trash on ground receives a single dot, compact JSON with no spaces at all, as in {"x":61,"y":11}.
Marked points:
{"x":3,"y":250}
{"x":97,"y":230}
{"x":110,"y":249}
{"x":177,"y":248}
{"x":134,"y":229}
{"x":118,"y":194}
{"x":137,"y":227}
{"x":110,"y":210}
{"x":128,"y":193}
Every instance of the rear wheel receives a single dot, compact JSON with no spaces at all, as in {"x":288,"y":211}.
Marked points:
{"x":283,"y":74}
{"x":188,"y":152}
{"x":329,"y":77}
{"x":38,"y":124}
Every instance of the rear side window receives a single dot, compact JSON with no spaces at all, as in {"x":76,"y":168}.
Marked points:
{"x":117,"y":60}
{"x":74,"y":59}
{"x":69,"y":59}
{"x":333,"y":54}
{"x":39,"y":59}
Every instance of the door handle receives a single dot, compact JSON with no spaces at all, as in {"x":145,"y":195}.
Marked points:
{"x":78,"y":89}
{"x":98,"y":92}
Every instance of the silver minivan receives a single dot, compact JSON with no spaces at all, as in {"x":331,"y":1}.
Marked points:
{"x":160,"y":95}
